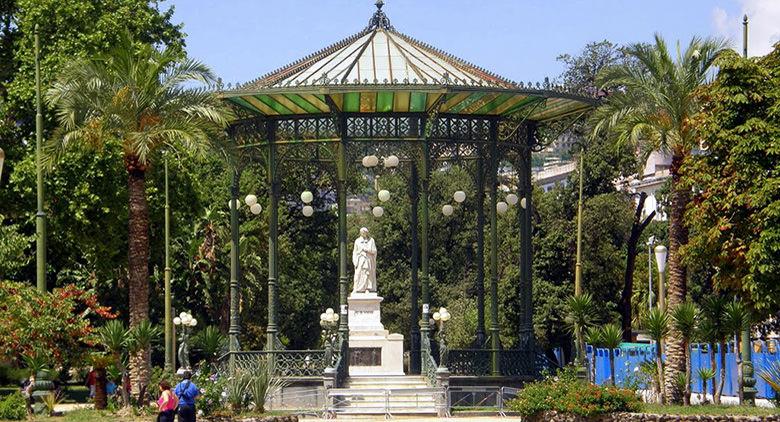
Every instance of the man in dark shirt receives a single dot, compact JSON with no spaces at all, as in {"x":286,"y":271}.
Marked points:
{"x":186,"y":391}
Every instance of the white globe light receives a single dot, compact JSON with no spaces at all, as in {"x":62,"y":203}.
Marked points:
{"x":256,"y":209}
{"x":250,"y":200}
{"x":378,"y":212}
{"x":194,"y":322}
{"x":512,"y":199}
{"x":307,"y":197}
{"x":238,"y":204}
{"x":308,"y":211}
{"x":522,"y":203}
{"x":447,"y":210}
{"x":323,"y":317}
{"x":177,"y":321}
{"x":436,"y":316}
{"x":384,"y":195}
{"x":501,"y":207}
{"x":329,"y":311}
{"x":183,"y":315}
{"x":391,"y":162}
{"x":335,"y":317}
{"x":459,"y":196}
{"x":373,"y":160}
{"x":365,"y":161}
{"x":445,"y":316}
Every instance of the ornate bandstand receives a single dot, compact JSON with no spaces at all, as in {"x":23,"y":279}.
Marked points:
{"x":381,"y":93}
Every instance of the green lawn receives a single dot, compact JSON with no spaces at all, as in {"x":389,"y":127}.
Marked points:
{"x":709,"y":410}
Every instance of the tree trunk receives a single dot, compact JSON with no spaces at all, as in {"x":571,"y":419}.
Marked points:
{"x":628,"y":280}
{"x":722,"y":381}
{"x":122,"y":381}
{"x":739,"y":368}
{"x":677,"y":284}
{"x":138,"y":267}
{"x":612,"y":366}
{"x":714,"y":367}
{"x":100,"y":389}
{"x":660,"y":367}
{"x":687,"y":394}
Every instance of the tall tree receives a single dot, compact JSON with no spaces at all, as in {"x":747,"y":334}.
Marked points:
{"x":735,"y":212}
{"x":133,"y":98}
{"x":651,"y":104}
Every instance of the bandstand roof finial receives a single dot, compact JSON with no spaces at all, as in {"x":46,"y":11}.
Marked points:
{"x":380,"y":20}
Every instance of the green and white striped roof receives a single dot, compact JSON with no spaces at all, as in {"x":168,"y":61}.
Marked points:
{"x":380,"y":70}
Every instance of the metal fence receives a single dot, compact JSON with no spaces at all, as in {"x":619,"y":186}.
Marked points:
{"x":480,"y":398}
{"x":628,"y":361}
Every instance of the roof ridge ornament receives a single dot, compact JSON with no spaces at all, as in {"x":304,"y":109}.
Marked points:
{"x":379,"y":20}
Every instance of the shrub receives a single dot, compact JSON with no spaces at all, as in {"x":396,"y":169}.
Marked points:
{"x":564,"y":393}
{"x":13,"y":407}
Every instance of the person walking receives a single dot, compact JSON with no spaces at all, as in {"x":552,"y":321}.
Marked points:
{"x":166,"y":404}
{"x":186,"y":391}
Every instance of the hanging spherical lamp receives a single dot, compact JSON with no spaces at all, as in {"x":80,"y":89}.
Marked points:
{"x":459,"y":196}
{"x":307,"y":197}
{"x":256,"y":209}
{"x":307,"y":210}
{"x":391,"y":162}
{"x":501,"y":207}
{"x":384,"y":195}
{"x":447,"y":210}
{"x":522,"y":203}
{"x":378,"y":211}
{"x":512,"y":199}
{"x":250,"y":200}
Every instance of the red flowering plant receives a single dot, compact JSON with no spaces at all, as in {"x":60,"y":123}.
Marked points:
{"x":58,"y":324}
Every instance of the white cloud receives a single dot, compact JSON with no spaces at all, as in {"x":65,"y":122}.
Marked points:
{"x":764,"y":30}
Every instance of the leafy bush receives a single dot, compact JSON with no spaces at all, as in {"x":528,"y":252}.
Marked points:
{"x":12,"y":407}
{"x":211,"y":388}
{"x":565,"y":393}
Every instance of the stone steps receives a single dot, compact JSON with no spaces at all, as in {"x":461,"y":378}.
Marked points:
{"x":383,"y":395}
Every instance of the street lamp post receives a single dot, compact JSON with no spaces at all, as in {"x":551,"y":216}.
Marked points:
{"x":40,"y":216}
{"x":441,"y":317}
{"x":329,"y":321}
{"x":650,"y":243}
{"x":187,"y":323}
{"x":169,"y":358}
{"x":660,"y":257}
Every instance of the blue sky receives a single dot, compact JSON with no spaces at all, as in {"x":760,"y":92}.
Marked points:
{"x":519,"y":39}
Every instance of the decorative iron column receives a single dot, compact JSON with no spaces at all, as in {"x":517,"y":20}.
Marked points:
{"x":495,"y":341}
{"x":341,"y":189}
{"x":233,"y":330}
{"x":424,"y":274}
{"x":40,"y":216}
{"x":480,"y":253}
{"x":169,"y":356}
{"x":414,"y":318}
{"x":525,"y":214}
{"x":272,"y":330}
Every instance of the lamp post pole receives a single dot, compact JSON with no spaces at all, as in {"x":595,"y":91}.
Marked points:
{"x":168,"y":315}
{"x":748,"y":381}
{"x":650,"y":243}
{"x":578,"y":265}
{"x":40,"y":216}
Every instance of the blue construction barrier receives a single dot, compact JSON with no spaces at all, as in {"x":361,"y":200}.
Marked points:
{"x":628,"y":361}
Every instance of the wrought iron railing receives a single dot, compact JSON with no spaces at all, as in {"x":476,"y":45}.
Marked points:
{"x":474,"y":362}
{"x":512,"y":362}
{"x":283,"y":363}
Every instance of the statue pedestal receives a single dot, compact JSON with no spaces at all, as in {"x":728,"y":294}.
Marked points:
{"x":373,"y":350}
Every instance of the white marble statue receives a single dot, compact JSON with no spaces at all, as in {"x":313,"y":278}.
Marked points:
{"x":364,"y":260}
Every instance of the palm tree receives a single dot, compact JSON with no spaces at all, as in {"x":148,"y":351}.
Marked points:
{"x":705,"y":374}
{"x":610,"y":336}
{"x":714,"y":332}
{"x":736,"y":318}
{"x":651,"y":102}
{"x":593,"y":337}
{"x":135,"y":98}
{"x":582,"y":314}
{"x":685,"y":320}
{"x":115,"y":338}
{"x":656,"y":323}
